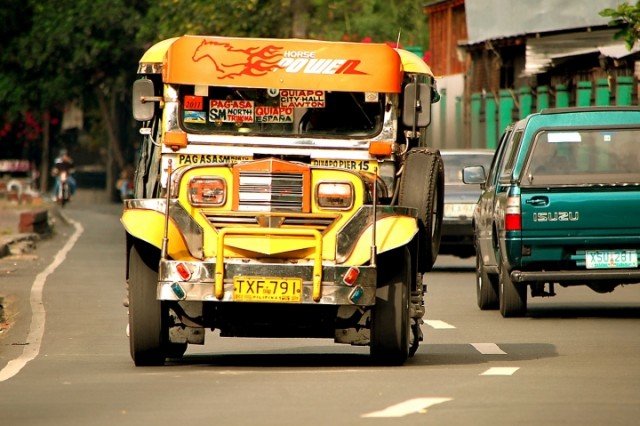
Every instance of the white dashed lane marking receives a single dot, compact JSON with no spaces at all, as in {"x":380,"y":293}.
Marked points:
{"x":411,"y":406}
{"x":488,"y":349}
{"x":437,"y":324}
{"x":483,"y":348}
{"x":500,"y":371}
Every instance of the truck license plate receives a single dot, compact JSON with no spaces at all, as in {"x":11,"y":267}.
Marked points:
{"x":604,"y":259}
{"x":267,"y":289}
{"x":458,"y":210}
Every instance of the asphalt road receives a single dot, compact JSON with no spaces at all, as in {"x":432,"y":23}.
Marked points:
{"x":64,"y":360}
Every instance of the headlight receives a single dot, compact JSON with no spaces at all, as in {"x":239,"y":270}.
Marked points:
{"x":207,"y":191}
{"x":334,"y":195}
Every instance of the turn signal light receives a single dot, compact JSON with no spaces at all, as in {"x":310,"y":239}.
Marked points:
{"x":356,"y":294}
{"x":351,"y":276}
{"x":183,"y":271}
{"x":380,"y":149}
{"x":178,"y":291}
{"x":175,"y":140}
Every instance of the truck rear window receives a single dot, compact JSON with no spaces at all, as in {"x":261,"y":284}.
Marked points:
{"x":603,"y":156}
{"x":265,"y":112}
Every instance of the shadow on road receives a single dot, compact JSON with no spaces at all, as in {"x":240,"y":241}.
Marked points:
{"x":428,"y":355}
{"x":583,"y":311}
{"x":276,"y":360}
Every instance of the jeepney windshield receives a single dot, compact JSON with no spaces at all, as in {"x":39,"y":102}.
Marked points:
{"x":270,"y":112}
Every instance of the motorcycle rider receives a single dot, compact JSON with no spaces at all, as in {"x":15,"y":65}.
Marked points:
{"x":64,"y":163}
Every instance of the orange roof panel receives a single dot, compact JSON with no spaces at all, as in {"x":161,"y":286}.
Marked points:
{"x":283,"y":64}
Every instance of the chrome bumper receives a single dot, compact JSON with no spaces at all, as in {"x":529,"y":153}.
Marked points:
{"x":200,"y":286}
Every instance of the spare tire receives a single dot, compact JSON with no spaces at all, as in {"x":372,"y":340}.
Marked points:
{"x":422,"y":187}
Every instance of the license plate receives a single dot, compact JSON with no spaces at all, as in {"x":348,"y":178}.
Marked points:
{"x":605,"y":259}
{"x":267,"y":289}
{"x":459,"y":210}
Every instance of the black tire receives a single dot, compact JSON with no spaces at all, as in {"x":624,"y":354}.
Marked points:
{"x":513,"y":299}
{"x":63,"y":194}
{"x":390,"y":322}
{"x":422,"y":187}
{"x":147,"y":336}
{"x":486,"y":287}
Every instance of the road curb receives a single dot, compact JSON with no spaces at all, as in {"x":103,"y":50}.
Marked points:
{"x":31,"y":226}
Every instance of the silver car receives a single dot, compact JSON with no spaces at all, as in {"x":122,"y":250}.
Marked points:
{"x":460,"y":200}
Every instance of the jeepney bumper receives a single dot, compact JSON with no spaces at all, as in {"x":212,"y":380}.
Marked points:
{"x":200,"y":284}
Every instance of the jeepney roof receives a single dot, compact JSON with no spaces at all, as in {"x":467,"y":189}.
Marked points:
{"x":281,"y":63}
{"x":413,"y":63}
{"x":155,"y":54}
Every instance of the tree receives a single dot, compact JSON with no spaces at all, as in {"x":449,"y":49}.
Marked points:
{"x":71,"y":49}
{"x":626,"y":16}
{"x":232,"y":18}
{"x":374,"y":20}
{"x":353,"y":20}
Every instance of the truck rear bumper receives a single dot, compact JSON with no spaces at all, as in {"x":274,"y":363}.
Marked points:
{"x":200,"y":285}
{"x":622,"y":275}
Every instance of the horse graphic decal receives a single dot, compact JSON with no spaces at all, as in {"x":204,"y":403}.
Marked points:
{"x":252,"y":61}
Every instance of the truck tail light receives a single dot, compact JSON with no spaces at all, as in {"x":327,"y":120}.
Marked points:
{"x":207,"y":191}
{"x":512,"y":216}
{"x":334,"y":195}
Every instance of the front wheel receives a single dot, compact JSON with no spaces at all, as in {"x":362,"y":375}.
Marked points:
{"x":63,"y":193}
{"x":391,"y":324}
{"x":146,"y":331}
{"x":513,"y":299}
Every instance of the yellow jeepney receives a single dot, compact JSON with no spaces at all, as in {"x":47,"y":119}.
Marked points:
{"x":284,"y":188}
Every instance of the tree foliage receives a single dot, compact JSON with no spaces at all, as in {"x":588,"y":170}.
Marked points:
{"x":232,"y":18}
{"x":374,"y":20}
{"x":353,"y":20}
{"x":627,"y":16}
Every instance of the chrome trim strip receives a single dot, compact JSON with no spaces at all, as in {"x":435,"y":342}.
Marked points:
{"x":191,"y":230}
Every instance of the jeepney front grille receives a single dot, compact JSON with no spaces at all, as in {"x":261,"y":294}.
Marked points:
{"x":264,"y":191}
{"x":321,"y":222}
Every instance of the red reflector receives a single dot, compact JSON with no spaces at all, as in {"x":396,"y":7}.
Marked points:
{"x":183,"y":271}
{"x":512,"y":222}
{"x":351,"y":276}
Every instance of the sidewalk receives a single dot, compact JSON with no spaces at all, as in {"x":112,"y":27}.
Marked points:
{"x":22,"y":224}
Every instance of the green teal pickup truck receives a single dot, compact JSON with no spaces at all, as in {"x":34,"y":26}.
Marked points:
{"x":560,"y":205}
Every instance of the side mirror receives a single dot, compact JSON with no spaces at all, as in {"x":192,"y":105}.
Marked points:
{"x":142,"y":100}
{"x":473,"y":175}
{"x":417,"y":105}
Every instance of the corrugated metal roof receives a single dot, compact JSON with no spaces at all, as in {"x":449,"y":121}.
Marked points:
{"x":496,"y":19}
{"x":541,"y":52}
